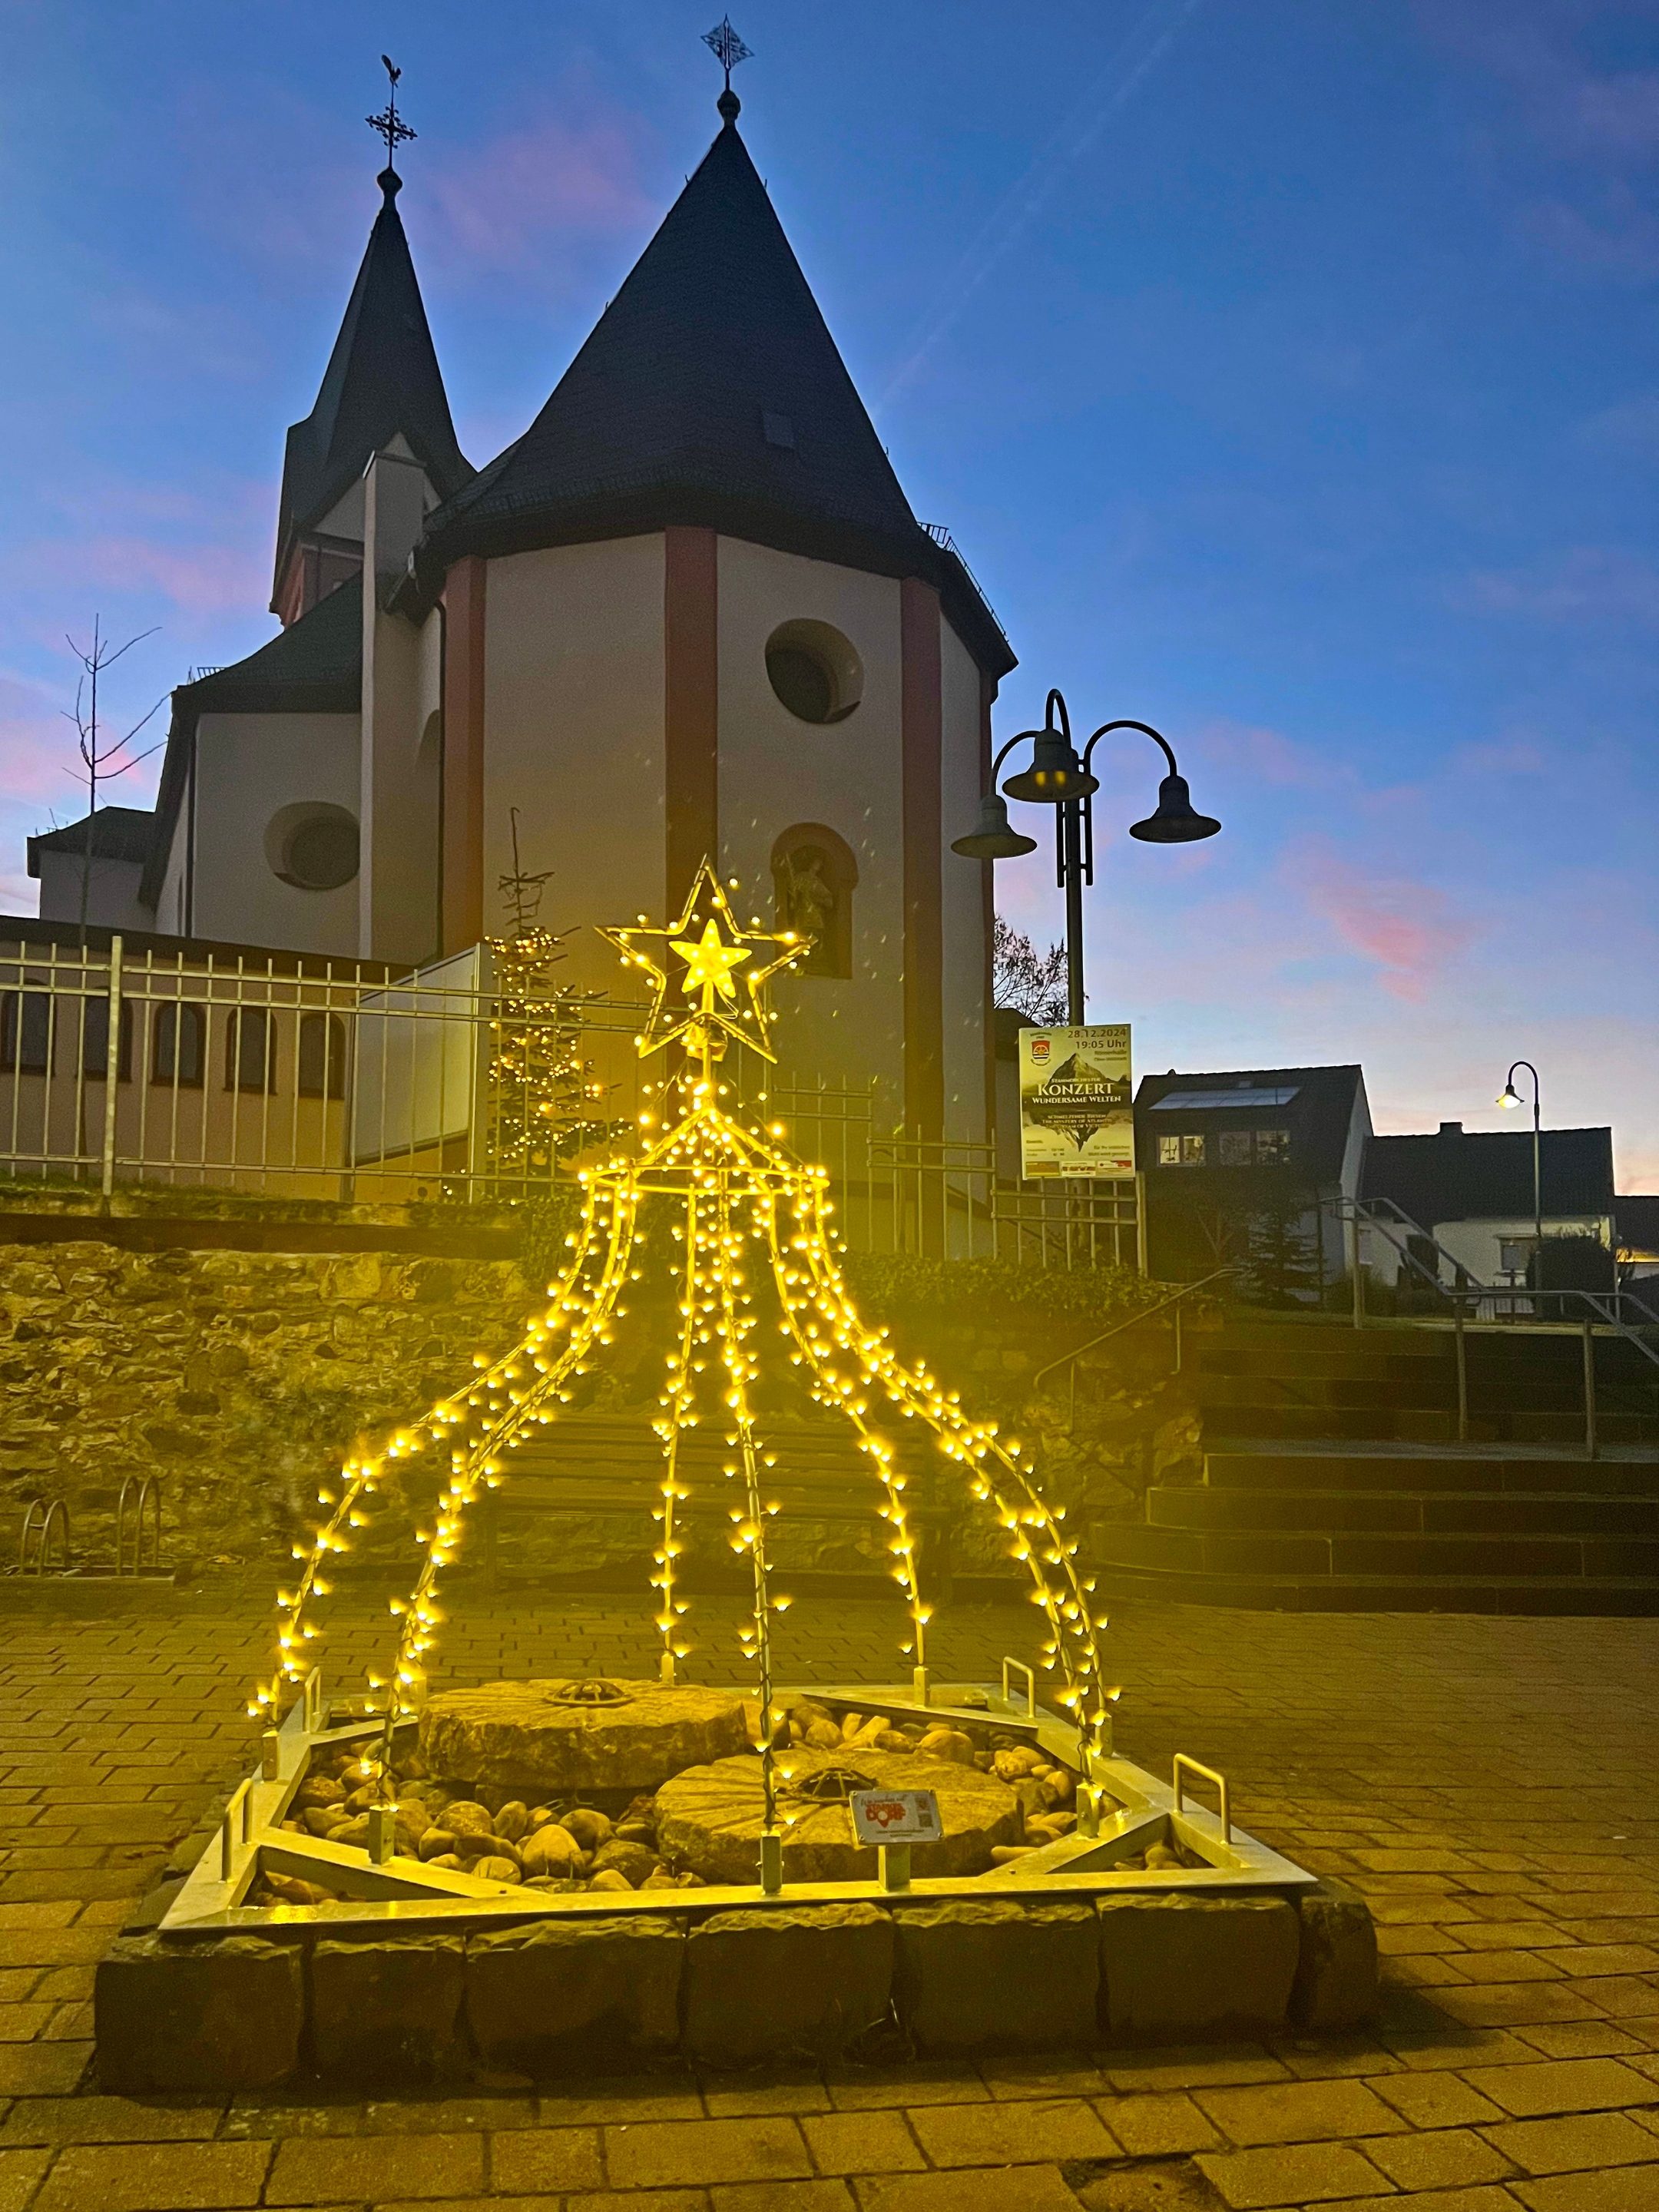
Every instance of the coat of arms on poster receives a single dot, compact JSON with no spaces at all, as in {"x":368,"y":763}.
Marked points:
{"x":1076,"y":1101}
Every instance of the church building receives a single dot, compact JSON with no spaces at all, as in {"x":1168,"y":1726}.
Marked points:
{"x":689,"y":612}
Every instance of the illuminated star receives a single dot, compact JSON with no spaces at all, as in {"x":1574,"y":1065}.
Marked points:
{"x":712,"y":942}
{"x":710,"y":962}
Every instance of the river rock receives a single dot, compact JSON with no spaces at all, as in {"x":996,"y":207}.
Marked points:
{"x":563,"y":1735}
{"x":632,"y":1860}
{"x":710,"y":1819}
{"x":550,"y":1851}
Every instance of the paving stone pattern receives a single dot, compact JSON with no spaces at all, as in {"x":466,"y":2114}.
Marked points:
{"x":1490,"y":1785}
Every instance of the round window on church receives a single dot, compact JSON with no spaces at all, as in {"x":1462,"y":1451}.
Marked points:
{"x":814,"y":672}
{"x":315,"y":848}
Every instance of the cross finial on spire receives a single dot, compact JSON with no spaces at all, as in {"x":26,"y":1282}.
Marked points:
{"x":389,"y":124}
{"x":728,"y":51}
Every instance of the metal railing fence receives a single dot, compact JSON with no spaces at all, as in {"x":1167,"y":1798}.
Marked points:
{"x":291,"y":1075}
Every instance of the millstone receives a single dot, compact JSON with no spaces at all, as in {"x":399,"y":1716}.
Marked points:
{"x":710,"y":1818}
{"x":558,"y":1736}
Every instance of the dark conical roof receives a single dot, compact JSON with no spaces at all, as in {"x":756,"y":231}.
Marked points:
{"x":382,"y":378}
{"x":710,"y":392}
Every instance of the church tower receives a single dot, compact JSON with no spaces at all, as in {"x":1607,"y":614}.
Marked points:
{"x":687,"y":613}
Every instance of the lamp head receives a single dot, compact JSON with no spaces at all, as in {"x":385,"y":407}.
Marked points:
{"x":991,"y":838}
{"x":1175,"y":822}
{"x":1056,"y":774}
{"x":1509,"y":1097}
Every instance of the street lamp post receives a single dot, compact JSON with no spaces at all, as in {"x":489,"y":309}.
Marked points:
{"x":1058,"y":778}
{"x":1510,"y":1098}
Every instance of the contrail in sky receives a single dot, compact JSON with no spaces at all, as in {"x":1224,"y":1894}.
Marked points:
{"x":1138,"y":54}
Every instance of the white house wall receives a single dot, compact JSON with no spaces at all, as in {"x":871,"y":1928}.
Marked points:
{"x":247,"y":767}
{"x":574,"y":710}
{"x":776,"y":771}
{"x":962,"y":892}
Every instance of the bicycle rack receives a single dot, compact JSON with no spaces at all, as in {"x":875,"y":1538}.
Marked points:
{"x":43,"y":1516}
{"x":146,"y":1516}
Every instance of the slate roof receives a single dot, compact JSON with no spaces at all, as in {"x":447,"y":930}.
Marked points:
{"x":711,"y":392}
{"x":315,"y":667}
{"x":1318,"y":1117}
{"x":119,"y":833}
{"x":1637,"y":1220}
{"x":382,"y":378}
{"x":1485,"y":1174}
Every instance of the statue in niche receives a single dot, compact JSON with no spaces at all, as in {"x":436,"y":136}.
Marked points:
{"x":807,"y":901}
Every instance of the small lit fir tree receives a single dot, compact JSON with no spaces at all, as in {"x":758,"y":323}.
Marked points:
{"x":544,"y":1096}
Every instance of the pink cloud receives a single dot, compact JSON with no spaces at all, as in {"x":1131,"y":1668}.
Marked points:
{"x":36,"y":745}
{"x":1411,"y":929}
{"x":199,"y":580}
{"x":1266,"y":756}
{"x":1589,"y":584}
{"x":522,"y":199}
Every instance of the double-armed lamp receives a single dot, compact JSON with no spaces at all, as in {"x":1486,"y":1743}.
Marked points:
{"x":1057,"y":777}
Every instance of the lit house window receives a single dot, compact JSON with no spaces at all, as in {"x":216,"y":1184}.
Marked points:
{"x":1181,"y":1152}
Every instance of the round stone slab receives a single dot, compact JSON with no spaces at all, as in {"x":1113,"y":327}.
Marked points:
{"x":709,"y":1818}
{"x":558,"y":1737}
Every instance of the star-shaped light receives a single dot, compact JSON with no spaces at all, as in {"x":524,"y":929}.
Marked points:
{"x":713,"y":944}
{"x":709,"y":964}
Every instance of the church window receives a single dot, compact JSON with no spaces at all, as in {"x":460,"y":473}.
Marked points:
{"x":25,"y":1033}
{"x":315,"y":848}
{"x":250,"y":1050}
{"x":814,"y":672}
{"x":176,"y":1042}
{"x":94,"y":1041}
{"x":322,"y":1056}
{"x":814,"y":876}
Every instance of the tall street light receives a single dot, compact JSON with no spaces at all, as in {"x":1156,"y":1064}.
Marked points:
{"x":1510,"y":1098}
{"x":1057,"y":778}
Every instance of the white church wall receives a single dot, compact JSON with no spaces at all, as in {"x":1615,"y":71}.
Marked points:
{"x":573,"y":705}
{"x":248,"y":769}
{"x":172,"y":910}
{"x":112,"y":890}
{"x":776,"y":771}
{"x":962,"y":894}
{"x":398,"y":806}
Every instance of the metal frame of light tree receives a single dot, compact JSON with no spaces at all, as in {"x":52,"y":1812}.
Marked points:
{"x":741,"y":1191}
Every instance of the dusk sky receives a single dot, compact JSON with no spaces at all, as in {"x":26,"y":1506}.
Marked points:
{"x":1288,"y":375}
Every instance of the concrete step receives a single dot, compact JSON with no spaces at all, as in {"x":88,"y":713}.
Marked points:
{"x":1337,"y":1425}
{"x":1462,"y":1470}
{"x":1613,"y":1596}
{"x":1391,"y":1558}
{"x":1555,"y":1513}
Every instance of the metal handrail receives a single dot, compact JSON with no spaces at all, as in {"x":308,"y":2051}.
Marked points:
{"x":1117,"y":1329}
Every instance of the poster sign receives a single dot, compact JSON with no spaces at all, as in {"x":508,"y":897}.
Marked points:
{"x":896,"y":1816}
{"x":1076,"y":1101}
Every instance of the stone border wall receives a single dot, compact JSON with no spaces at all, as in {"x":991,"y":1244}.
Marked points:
{"x":958,"y":1977}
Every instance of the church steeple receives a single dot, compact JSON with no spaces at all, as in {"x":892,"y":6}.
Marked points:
{"x":710,"y":392}
{"x":382,"y":383}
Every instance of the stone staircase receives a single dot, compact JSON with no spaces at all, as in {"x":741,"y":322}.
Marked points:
{"x":1334,"y":1479}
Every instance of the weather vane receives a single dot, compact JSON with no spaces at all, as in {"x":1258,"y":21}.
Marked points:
{"x":388,"y":123}
{"x":727,"y":47}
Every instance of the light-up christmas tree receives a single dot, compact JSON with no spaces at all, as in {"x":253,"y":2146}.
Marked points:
{"x":746,"y":1209}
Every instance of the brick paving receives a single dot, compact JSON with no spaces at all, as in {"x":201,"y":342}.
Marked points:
{"x":1490,"y":1783}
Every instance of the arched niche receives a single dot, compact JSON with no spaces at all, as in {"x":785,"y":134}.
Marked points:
{"x":814,"y":876}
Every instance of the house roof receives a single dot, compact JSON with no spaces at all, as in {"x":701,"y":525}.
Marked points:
{"x":119,"y":833}
{"x":711,"y":393}
{"x":315,"y":667}
{"x":1485,"y":1174}
{"x":1316,"y":1105}
{"x":382,"y":379}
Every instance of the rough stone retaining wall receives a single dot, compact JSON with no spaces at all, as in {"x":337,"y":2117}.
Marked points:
{"x":234,"y":1348}
{"x":955,"y":1976}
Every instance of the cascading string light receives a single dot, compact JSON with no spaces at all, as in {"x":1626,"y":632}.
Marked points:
{"x":717,"y":1169}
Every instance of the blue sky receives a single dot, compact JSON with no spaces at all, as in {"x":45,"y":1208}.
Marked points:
{"x":1289,"y":375}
